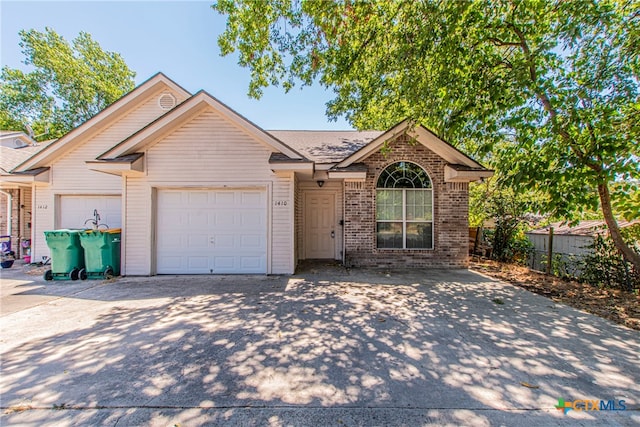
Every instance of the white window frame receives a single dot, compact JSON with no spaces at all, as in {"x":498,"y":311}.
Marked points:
{"x":404,"y":219}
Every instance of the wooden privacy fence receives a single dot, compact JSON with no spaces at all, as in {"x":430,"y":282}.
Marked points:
{"x":566,"y":247}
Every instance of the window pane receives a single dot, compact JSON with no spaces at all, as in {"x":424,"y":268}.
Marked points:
{"x":419,"y":235}
{"x":388,"y":205}
{"x":415,"y":197}
{"x":411,"y":212}
{"x":389,"y":235}
{"x":428,"y":206}
{"x":419,"y":205}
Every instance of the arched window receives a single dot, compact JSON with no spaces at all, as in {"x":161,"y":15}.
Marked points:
{"x":404,"y":208}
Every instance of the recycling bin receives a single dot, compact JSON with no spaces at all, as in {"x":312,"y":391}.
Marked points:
{"x":5,"y":244}
{"x":101,"y":253}
{"x":67,"y":255}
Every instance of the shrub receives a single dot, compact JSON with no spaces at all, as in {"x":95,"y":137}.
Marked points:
{"x":607,"y":267}
{"x":509,"y":244}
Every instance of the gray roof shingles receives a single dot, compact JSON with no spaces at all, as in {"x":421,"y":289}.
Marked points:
{"x":12,"y":157}
{"x":325,"y":146}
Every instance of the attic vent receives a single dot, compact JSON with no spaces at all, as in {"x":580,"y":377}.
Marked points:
{"x":167,"y":101}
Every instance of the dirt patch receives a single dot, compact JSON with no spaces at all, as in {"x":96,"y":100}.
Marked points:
{"x":616,"y":305}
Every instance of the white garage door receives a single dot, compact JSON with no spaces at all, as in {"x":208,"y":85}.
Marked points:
{"x":76,"y":210}
{"x":211,"y":232}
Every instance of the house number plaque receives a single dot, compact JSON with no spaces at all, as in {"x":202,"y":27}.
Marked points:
{"x":281,"y":203}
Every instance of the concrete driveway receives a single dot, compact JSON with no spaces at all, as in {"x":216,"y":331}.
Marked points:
{"x":324,"y":347}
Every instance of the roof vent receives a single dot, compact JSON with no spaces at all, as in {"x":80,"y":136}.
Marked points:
{"x":18,"y":143}
{"x":167,"y":101}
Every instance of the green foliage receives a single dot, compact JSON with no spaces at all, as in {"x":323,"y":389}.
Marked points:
{"x":545,"y":91}
{"x":509,"y":244}
{"x":626,"y":199}
{"x":491,"y":198}
{"x":606,"y":266}
{"x":67,"y":84}
{"x":565,"y":266}
{"x":509,"y":211}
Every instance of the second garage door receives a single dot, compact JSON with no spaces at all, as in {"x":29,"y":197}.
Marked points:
{"x":211,"y":231}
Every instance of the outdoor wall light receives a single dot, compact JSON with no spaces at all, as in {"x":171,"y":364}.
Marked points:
{"x":320,"y":183}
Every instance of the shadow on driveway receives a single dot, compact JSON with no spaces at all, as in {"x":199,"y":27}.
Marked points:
{"x":318,"y":348}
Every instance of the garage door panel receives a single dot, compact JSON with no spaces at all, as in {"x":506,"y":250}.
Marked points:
{"x":225,"y":218}
{"x":224,"y":262}
{"x":197,"y":242}
{"x":250,"y":198}
{"x":198,"y":262}
{"x":252,"y":219}
{"x":201,"y":198}
{"x":170,"y":262}
{"x":251,"y":241}
{"x":198,"y":219}
{"x":173,"y":199}
{"x":224,"y":241}
{"x":217,"y":231}
{"x":223,"y":199}
{"x":250,"y":262}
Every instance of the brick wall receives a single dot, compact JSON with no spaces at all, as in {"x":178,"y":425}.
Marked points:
{"x":450,"y":214}
{"x":3,"y":214}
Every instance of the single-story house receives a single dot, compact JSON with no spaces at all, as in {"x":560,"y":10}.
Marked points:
{"x":15,"y":198}
{"x":199,"y":189}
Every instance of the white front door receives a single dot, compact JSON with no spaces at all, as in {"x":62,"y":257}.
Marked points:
{"x":211,"y":231}
{"x":78,"y":211}
{"x":319,"y":220}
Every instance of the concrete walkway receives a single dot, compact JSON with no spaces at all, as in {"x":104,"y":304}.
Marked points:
{"x":325,"y":347}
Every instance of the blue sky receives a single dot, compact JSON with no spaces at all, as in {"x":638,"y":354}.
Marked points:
{"x":177,"y":38}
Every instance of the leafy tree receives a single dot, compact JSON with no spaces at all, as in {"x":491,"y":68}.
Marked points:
{"x":68,"y":83}
{"x":510,"y":212}
{"x":555,"y":83}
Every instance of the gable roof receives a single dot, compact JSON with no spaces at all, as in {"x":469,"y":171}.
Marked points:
{"x":424,"y":136}
{"x":185,"y":111}
{"x":102,"y":119}
{"x":324,"y":146}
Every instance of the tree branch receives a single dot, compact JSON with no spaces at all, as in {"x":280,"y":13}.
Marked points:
{"x":546,"y":101}
{"x":496,"y":41}
{"x":605,"y":201}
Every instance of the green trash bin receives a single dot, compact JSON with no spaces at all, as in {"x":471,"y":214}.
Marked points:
{"x":67,"y":255}
{"x":101,"y":253}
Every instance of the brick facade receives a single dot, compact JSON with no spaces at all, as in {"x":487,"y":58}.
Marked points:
{"x":450,"y":214}
{"x":3,"y":213}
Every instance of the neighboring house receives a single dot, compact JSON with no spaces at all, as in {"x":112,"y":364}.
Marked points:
{"x":201,"y":190}
{"x":15,"y":198}
{"x":571,"y":244}
{"x":15,"y":139}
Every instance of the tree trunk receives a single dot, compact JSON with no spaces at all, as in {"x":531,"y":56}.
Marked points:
{"x":628,"y":253}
